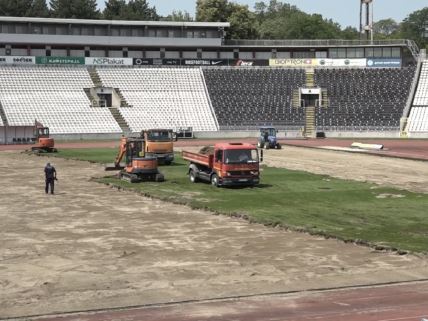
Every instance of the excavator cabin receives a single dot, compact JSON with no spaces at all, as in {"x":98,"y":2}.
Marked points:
{"x":138,"y":166}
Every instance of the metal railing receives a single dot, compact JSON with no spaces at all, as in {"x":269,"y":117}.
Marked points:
{"x":319,"y":43}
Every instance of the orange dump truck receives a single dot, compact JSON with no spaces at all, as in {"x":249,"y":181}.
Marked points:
{"x":160,"y":143}
{"x":225,"y":164}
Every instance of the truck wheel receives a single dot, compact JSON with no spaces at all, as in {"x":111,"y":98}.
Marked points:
{"x":192,"y":176}
{"x":267,"y":145}
{"x":214,"y":180}
{"x":159,"y":177}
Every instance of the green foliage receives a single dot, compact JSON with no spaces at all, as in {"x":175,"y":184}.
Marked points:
{"x":318,"y":204}
{"x":132,"y":10}
{"x":212,"y":10}
{"x":178,"y":16}
{"x":385,"y":27}
{"x":243,"y":23}
{"x":413,"y":27}
{"x":38,"y":8}
{"x":115,"y":10}
{"x":75,"y":9}
{"x":14,"y":8}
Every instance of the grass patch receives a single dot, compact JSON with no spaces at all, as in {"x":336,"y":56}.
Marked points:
{"x":366,"y":213}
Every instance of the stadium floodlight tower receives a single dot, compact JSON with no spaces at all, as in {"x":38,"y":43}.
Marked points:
{"x":366,"y":13}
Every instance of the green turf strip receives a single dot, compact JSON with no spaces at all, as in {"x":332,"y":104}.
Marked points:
{"x":317,"y":204}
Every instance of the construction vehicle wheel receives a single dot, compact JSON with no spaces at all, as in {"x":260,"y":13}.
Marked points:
{"x":167,"y":162}
{"x":159,"y":177}
{"x":214,"y":180}
{"x":192,"y":176}
{"x":267,"y":146}
{"x":278,"y":146}
{"x":134,"y":178}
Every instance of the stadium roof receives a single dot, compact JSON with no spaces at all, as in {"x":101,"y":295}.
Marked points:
{"x":116,"y":22}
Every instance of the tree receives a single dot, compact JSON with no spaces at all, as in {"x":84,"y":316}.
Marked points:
{"x":243,"y":23}
{"x":413,"y":27}
{"x":38,"y":8}
{"x":178,"y":16}
{"x":114,"y":9}
{"x":14,"y":8}
{"x":140,"y":10}
{"x":385,"y":28}
{"x":350,"y":33}
{"x":212,"y":10}
{"x":76,"y":9}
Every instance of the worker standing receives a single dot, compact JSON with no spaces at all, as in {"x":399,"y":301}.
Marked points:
{"x":50,"y":178}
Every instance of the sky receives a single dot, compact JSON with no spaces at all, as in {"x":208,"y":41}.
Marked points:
{"x":345,"y":12}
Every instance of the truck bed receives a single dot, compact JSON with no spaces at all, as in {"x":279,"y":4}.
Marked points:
{"x":198,"y":158}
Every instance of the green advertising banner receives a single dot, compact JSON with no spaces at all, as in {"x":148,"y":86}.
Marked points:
{"x":60,"y":60}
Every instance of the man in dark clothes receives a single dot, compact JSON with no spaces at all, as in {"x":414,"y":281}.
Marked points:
{"x":50,"y":176}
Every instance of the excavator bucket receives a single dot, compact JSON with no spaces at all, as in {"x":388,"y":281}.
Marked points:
{"x":114,"y":167}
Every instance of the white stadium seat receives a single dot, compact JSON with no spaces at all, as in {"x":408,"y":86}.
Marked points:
{"x":55,"y":97}
{"x":418,"y":118}
{"x":162,"y":97}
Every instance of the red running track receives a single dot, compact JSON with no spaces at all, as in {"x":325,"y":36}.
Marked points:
{"x":402,"y":148}
{"x":404,"y":302}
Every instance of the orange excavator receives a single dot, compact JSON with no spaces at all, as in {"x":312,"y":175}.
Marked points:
{"x":44,"y":143}
{"x":139,"y":166}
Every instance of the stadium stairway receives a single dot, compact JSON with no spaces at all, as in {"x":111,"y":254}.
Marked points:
{"x":310,"y":78}
{"x":95,"y":77}
{"x":123,"y":102}
{"x":92,"y":99}
{"x":3,"y":116}
{"x":296,"y":98}
{"x":309,"y":122}
{"x":120,"y":120}
{"x":324,"y":98}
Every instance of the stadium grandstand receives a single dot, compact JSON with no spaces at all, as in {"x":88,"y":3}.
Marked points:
{"x":100,"y":79}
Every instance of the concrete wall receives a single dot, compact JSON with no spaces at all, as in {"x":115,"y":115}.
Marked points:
{"x":368,"y":134}
{"x":69,"y":137}
{"x":236,"y":134}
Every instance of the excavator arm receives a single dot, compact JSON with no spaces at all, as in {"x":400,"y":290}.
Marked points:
{"x":119,"y":156}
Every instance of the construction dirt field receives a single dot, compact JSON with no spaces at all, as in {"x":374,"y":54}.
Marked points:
{"x":91,"y":247}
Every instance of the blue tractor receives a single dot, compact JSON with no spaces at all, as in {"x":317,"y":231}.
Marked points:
{"x":267,"y":138}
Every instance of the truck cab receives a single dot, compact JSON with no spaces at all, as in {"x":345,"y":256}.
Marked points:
{"x":226,"y":164}
{"x":160,"y":143}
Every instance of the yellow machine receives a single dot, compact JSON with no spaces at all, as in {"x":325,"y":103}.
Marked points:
{"x":138,"y":166}
{"x":160,"y":143}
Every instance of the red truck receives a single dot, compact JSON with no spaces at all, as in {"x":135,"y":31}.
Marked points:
{"x":225,"y":164}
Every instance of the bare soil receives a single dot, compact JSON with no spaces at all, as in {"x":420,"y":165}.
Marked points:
{"x":91,"y":247}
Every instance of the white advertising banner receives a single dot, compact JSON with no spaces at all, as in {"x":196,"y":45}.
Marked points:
{"x":341,"y":62}
{"x":17,"y":60}
{"x":108,"y":61}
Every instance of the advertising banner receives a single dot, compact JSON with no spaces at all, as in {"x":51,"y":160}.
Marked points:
{"x":60,"y":60}
{"x":204,"y":62}
{"x":341,"y":62}
{"x":98,"y":61}
{"x":286,"y":62}
{"x":142,"y":61}
{"x":171,"y":62}
{"x":249,"y":63}
{"x":302,"y":63}
{"x":18,"y":60}
{"x":384,"y":63}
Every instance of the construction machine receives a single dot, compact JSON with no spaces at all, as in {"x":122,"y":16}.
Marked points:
{"x":139,"y":166}
{"x":43,"y":143}
{"x":267,"y":138}
{"x":160,"y":142}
